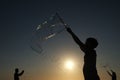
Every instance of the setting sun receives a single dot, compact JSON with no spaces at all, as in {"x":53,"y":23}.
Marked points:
{"x":69,"y":64}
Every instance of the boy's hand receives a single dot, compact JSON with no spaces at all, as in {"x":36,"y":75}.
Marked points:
{"x":22,"y":70}
{"x":68,"y":29}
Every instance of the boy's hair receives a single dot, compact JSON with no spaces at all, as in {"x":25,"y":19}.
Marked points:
{"x":91,"y":42}
{"x":16,"y":70}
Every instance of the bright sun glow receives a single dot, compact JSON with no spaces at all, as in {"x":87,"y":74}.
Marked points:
{"x":69,"y":65}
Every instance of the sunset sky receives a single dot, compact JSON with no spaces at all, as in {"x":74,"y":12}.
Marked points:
{"x":19,"y":18}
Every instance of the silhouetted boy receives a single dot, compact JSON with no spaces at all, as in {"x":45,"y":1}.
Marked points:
{"x":17,"y":74}
{"x":89,"y":69}
{"x":112,"y":74}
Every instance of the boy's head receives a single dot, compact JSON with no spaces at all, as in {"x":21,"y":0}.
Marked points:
{"x":16,"y":70}
{"x":91,"y":43}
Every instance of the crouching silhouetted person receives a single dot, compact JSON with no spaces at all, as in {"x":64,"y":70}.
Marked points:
{"x":112,"y":74}
{"x":17,"y":74}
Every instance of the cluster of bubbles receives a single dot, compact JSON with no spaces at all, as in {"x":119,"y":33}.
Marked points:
{"x":46,"y":30}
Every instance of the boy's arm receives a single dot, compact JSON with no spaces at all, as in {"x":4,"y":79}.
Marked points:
{"x":21,"y":73}
{"x":76,"y":39}
{"x":109,"y":73}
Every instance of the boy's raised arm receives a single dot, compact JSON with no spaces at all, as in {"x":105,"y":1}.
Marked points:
{"x":21,"y":73}
{"x":109,"y":73}
{"x":76,"y":39}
